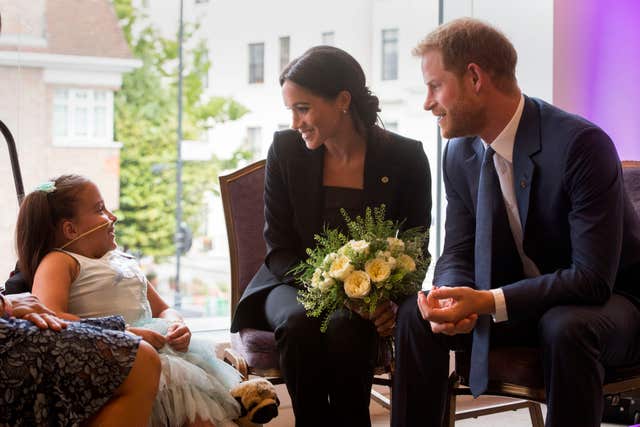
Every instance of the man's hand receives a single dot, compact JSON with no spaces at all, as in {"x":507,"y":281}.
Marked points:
{"x":454,"y":310}
{"x":156,"y":339}
{"x":384,"y":318}
{"x":178,"y":336}
{"x":28,"y":307}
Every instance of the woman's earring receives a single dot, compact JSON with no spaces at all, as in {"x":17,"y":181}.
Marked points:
{"x":344,"y":111}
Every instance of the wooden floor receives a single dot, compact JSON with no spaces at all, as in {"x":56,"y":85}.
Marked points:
{"x":380,"y":416}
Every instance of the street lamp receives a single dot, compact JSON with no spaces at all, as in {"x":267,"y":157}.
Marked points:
{"x":179,"y":235}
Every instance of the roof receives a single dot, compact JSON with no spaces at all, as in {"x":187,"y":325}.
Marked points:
{"x":72,"y":27}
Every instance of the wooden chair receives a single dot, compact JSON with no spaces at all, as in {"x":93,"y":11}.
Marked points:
{"x":252,"y":351}
{"x":517,"y":371}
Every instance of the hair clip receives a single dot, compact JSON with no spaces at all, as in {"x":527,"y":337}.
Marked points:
{"x":47,"y":187}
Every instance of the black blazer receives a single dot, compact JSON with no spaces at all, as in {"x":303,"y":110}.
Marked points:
{"x":396,"y":173}
{"x":579,"y":226}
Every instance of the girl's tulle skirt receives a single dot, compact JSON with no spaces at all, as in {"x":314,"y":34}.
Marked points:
{"x":193,"y":385}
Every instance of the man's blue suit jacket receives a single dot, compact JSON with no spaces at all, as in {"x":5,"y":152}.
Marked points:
{"x":579,"y":226}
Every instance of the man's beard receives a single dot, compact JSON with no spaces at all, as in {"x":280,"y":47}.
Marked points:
{"x":464,"y":119}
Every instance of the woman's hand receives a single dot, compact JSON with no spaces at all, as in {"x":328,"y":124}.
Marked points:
{"x":178,"y":336}
{"x":28,"y":307}
{"x":157,"y":340}
{"x":384,"y":318}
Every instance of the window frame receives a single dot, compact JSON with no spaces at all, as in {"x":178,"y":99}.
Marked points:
{"x":72,"y":103}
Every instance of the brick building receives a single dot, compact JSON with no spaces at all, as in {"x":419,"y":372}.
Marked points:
{"x":60,"y":63}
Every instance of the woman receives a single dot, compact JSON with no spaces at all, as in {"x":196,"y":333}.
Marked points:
{"x":71,"y":374}
{"x":334,"y":157}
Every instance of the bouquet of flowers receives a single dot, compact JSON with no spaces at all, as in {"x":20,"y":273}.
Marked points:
{"x":374,"y":263}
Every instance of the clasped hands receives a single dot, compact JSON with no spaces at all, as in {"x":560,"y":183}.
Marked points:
{"x":178,"y":336}
{"x":454,"y":310}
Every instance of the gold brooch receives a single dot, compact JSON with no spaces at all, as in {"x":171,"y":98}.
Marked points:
{"x":384,"y":179}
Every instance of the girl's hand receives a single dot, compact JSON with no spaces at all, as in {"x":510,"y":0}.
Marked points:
{"x":178,"y":336}
{"x":154,"y":338}
{"x":384,"y":318}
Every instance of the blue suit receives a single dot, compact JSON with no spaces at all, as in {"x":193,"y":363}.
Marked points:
{"x":583,"y":234}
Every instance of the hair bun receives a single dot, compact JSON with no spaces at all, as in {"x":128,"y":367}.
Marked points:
{"x":368,"y":106}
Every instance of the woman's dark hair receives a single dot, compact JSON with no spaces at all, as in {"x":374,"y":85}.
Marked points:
{"x":40,"y":213}
{"x":326,"y":71}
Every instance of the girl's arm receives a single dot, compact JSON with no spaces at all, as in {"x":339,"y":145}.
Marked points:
{"x":178,"y":334}
{"x":52,"y":282}
{"x":159,"y":308}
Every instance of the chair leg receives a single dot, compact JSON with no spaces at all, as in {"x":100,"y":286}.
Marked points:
{"x":450,"y":409}
{"x":383,"y":400}
{"x":536,"y":415}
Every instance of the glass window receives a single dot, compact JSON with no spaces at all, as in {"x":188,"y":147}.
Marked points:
{"x":254,"y":140}
{"x":82,"y":116}
{"x":285,"y":43}
{"x":328,"y":38}
{"x":256,"y":63}
{"x":390,"y":54}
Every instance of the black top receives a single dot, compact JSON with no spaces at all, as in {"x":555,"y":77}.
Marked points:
{"x":336,"y":198}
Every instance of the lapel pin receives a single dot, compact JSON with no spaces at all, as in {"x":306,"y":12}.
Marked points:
{"x":384,"y":179}
{"x":523,"y":183}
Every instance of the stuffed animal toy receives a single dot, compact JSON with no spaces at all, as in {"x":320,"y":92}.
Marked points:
{"x":258,"y":402}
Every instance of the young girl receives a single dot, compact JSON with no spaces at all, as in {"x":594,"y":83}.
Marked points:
{"x":67,"y":250}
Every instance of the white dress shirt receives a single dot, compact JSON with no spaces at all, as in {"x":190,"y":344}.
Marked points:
{"x":503,"y":161}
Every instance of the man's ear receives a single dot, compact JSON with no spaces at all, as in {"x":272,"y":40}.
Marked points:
{"x":69,"y":230}
{"x":476,"y":76}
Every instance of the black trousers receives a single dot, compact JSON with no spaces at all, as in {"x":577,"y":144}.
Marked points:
{"x":577,"y":343}
{"x":328,"y":375}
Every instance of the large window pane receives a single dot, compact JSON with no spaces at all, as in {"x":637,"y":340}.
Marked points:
{"x":284,"y":51}
{"x":390,"y":54}
{"x":256,"y":63}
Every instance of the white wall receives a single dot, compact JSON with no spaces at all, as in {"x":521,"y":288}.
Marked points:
{"x":230,"y":25}
{"x":529,"y":26}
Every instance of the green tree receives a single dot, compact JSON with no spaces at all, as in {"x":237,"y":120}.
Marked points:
{"x":146,"y":122}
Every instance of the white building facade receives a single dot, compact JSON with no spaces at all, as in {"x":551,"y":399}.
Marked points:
{"x":249,"y":41}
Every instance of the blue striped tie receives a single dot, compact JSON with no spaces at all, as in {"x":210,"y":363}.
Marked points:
{"x":487,"y":186}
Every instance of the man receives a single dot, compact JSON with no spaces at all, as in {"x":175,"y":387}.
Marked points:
{"x":539,"y":235}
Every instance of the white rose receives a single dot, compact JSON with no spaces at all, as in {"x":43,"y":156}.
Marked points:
{"x":359,"y":246}
{"x":406,"y":263}
{"x":326,"y":284}
{"x":328,"y":259}
{"x":378,"y":269}
{"x":383,"y":254}
{"x":395,"y":245}
{"x":392,"y":262}
{"x":386,"y":255}
{"x":341,"y":267}
{"x":357,"y":284}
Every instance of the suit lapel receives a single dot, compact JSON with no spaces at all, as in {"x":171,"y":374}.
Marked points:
{"x":309,"y":193}
{"x":378,"y":176}
{"x":527,"y":143}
